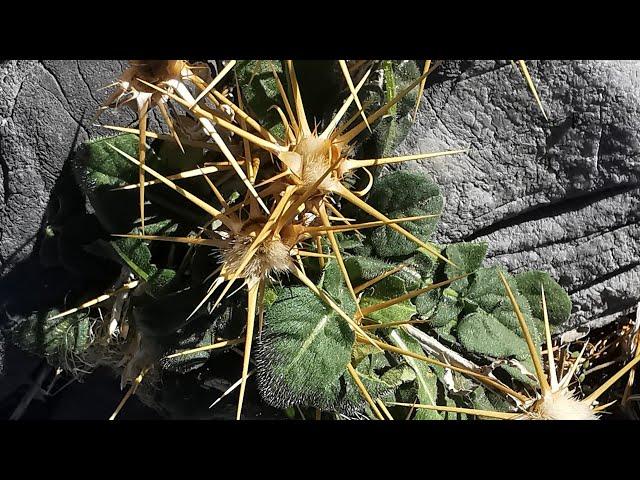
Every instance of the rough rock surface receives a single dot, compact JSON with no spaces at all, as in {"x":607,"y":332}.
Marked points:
{"x":46,"y":110}
{"x":561,"y":195}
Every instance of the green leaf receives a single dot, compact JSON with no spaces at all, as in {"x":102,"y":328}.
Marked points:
{"x":404,"y":194}
{"x":516,"y":375}
{"x":427,"y":303}
{"x":379,"y":380}
{"x":270,"y":295}
{"x":360,"y":351}
{"x":489,"y":294}
{"x":100,"y":166}
{"x":398,"y":375}
{"x":482,"y":398}
{"x":405,"y":393}
{"x":447,"y":311}
{"x":348,"y":241}
{"x":445,"y":332}
{"x":424,"y":263}
{"x":352,"y":401}
{"x":197,"y":334}
{"x":445,"y":396}
{"x":487,"y":290}
{"x":387,"y":289}
{"x":99,"y":169}
{"x":481,"y":333}
{"x":260,"y":92}
{"x":558,"y":302}
{"x":135,"y":253}
{"x":60,"y":341}
{"x":332,"y":280}
{"x":160,"y":282}
{"x":505,"y":315}
{"x":468,"y":257}
{"x":392,"y":128}
{"x":425,"y":377}
{"x":364,"y":268}
{"x":304,"y":350}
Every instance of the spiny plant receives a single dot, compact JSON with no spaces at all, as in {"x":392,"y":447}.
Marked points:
{"x":312,"y":168}
{"x":553,"y":398}
{"x":527,"y":76}
{"x":141,"y":83}
{"x":269,"y":197}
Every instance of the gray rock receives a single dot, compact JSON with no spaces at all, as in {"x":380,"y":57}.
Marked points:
{"x":46,"y":110}
{"x":560,"y":196}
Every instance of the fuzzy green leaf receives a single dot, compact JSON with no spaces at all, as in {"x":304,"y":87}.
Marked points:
{"x":489,"y":294}
{"x":332,"y":280}
{"x":393,"y":129}
{"x":364,"y":268}
{"x":387,"y":289}
{"x":425,"y":377}
{"x":99,"y":170}
{"x":558,"y":302}
{"x":516,"y":375}
{"x":481,"y":333}
{"x":425,"y":263}
{"x":60,"y":340}
{"x":352,"y":401}
{"x":348,"y":241}
{"x":447,"y":310}
{"x":468,"y":257}
{"x":487,"y":290}
{"x":390,"y":130}
{"x":304,"y":350}
{"x":135,"y":253}
{"x":427,"y":303}
{"x":360,"y":351}
{"x":260,"y":92}
{"x":482,"y":398}
{"x":160,"y":282}
{"x":445,"y":332}
{"x":399,"y":374}
{"x":100,"y":166}
{"x":404,"y":194}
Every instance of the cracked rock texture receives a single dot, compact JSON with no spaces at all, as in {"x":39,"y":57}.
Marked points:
{"x":46,"y":110}
{"x":560,"y":196}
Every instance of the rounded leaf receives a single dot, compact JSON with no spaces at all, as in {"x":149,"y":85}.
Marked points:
{"x":304,"y":349}
{"x":558,"y":302}
{"x":404,"y":194}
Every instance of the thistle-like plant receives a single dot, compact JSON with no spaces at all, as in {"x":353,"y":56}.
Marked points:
{"x":553,"y":398}
{"x":313,"y":167}
{"x":248,"y":192}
